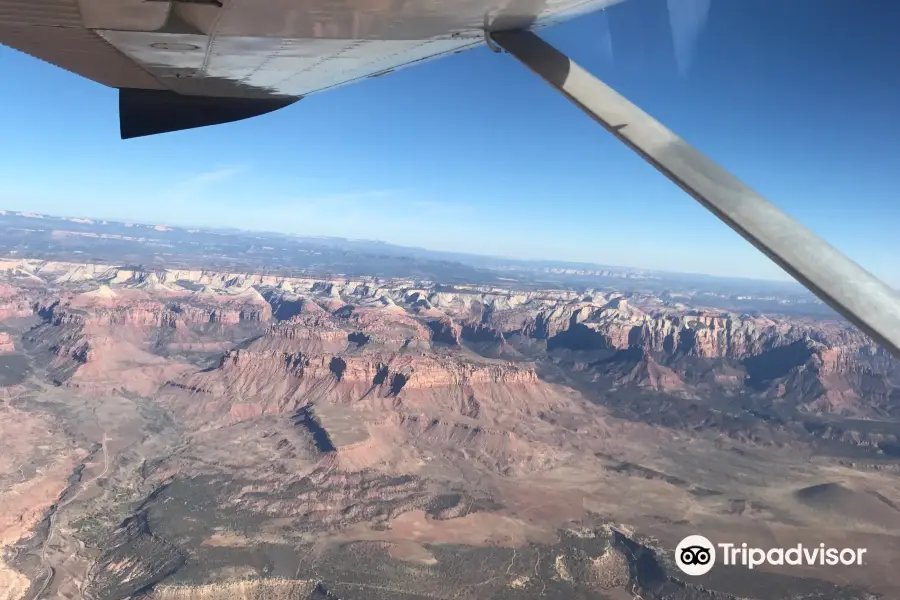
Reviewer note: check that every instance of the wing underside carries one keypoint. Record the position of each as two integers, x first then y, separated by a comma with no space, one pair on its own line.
266,52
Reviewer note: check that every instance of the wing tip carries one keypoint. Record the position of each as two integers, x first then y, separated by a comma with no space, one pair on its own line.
151,112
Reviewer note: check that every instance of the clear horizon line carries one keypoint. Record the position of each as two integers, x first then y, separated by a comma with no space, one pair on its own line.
570,263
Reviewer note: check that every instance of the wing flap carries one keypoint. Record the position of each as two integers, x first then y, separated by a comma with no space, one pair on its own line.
80,51
53,31
48,13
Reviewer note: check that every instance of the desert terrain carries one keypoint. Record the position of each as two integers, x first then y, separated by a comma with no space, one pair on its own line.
193,433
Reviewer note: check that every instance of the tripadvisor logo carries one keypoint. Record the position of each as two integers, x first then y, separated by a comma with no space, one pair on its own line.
696,555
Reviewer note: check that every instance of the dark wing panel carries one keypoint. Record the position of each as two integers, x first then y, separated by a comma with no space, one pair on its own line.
148,112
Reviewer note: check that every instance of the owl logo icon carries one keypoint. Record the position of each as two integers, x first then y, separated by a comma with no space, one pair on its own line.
695,555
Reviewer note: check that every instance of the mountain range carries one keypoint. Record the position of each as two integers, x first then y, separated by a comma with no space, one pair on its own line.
189,432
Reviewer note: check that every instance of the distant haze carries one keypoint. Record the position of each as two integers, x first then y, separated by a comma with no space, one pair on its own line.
156,246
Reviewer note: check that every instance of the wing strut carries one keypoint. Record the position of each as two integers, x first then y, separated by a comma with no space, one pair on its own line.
842,284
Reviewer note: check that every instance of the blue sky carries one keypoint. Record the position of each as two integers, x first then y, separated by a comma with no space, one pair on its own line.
799,98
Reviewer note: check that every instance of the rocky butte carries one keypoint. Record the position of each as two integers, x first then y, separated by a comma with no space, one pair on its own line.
202,434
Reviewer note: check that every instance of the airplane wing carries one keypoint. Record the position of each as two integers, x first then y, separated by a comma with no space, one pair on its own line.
190,63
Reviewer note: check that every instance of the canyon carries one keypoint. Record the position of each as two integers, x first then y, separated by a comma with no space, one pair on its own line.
197,433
